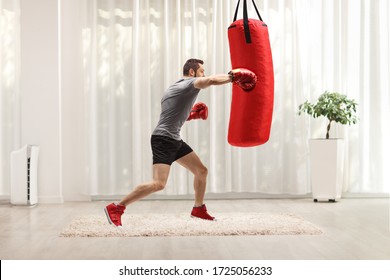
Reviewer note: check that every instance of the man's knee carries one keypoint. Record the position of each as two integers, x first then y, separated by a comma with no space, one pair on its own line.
202,172
158,186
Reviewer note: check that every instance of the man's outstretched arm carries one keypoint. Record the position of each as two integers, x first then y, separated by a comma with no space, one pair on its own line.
213,80
244,78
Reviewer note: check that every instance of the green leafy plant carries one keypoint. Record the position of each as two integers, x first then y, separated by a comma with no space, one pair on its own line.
334,106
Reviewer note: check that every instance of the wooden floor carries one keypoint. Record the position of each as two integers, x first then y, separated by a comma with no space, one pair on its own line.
353,229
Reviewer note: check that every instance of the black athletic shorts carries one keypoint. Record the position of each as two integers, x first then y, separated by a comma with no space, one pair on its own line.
167,150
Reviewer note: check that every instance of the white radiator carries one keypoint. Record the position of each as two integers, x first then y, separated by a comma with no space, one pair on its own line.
24,176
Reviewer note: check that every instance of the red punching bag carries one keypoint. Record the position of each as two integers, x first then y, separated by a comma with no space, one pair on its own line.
251,111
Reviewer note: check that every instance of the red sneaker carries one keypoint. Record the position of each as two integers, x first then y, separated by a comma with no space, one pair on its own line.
114,213
201,212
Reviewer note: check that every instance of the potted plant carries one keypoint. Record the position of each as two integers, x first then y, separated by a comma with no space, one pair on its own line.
327,155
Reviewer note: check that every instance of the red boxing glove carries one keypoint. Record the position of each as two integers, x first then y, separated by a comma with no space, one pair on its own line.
199,111
244,78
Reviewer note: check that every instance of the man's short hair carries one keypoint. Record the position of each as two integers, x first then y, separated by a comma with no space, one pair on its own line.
192,63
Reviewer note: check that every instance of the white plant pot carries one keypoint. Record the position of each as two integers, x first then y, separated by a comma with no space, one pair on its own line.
326,163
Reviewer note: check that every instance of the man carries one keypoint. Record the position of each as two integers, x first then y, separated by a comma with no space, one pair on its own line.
167,146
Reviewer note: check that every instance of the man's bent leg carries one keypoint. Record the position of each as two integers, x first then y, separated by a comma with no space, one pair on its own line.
193,163
160,177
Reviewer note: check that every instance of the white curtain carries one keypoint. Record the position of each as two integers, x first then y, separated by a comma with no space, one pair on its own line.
133,50
9,87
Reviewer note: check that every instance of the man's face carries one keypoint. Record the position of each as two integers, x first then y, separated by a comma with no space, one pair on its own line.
200,71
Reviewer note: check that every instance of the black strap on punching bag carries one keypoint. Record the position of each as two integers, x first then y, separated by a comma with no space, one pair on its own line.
246,21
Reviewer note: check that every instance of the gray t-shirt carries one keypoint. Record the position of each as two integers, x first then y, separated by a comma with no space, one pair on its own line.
176,106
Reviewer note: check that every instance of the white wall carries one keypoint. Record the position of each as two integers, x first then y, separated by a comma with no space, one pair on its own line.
40,92
52,102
